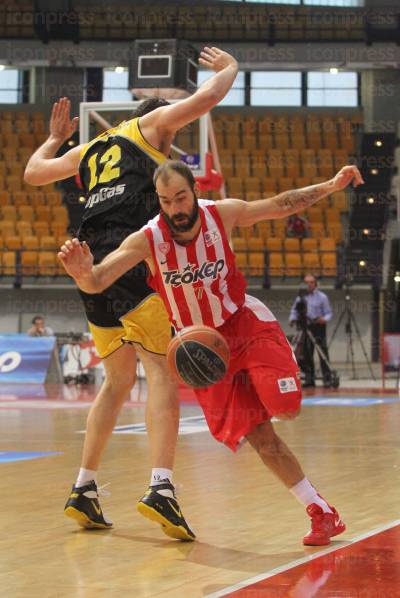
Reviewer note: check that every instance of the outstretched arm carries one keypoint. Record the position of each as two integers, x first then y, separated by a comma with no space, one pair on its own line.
77,260
235,212
43,168
168,119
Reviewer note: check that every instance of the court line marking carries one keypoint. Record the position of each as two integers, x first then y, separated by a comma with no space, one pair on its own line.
292,564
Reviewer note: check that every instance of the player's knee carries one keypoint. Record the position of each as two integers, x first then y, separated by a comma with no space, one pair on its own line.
117,386
288,414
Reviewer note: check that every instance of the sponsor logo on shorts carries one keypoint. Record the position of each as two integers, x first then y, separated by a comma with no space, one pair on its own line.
211,237
287,385
192,273
103,194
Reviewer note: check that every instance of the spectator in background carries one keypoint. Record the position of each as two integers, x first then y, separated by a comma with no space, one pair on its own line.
319,312
38,328
297,226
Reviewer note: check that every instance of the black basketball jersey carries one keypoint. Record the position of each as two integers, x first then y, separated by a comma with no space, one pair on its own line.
116,171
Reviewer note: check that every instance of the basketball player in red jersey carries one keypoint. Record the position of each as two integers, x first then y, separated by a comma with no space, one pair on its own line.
193,268
128,318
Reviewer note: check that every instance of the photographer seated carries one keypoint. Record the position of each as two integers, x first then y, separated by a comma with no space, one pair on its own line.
311,311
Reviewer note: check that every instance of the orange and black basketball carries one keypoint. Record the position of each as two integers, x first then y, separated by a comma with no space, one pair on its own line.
198,356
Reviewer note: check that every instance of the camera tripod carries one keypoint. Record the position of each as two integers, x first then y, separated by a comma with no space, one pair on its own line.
351,323
298,341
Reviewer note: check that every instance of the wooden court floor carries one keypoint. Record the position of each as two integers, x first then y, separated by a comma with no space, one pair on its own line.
247,524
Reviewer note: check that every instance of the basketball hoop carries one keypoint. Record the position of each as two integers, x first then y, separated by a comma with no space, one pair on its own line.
212,180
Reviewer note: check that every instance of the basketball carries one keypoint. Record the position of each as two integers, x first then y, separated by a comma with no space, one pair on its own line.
198,356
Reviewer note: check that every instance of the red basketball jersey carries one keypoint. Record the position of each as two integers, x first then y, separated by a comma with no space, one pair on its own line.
199,283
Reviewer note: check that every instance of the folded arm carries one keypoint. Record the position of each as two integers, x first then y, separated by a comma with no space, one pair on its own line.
77,260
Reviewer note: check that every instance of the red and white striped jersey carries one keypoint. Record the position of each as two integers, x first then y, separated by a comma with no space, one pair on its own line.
199,282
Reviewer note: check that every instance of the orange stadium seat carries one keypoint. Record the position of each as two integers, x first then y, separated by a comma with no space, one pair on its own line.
239,244
4,198
43,213
327,244
40,228
30,242
274,244
291,245
20,198
29,263
293,266
9,213
241,260
47,263
8,263
12,242
26,213
309,244
255,244
256,263
328,263
23,228
276,264
311,262
48,242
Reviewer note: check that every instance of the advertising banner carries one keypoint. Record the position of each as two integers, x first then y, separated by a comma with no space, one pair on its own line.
25,359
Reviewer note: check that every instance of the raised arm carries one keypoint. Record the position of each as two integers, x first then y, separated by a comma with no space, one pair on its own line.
235,212
77,260
43,168
168,119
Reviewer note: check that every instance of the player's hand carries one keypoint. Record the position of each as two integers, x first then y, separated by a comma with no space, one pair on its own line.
216,59
62,126
77,259
345,176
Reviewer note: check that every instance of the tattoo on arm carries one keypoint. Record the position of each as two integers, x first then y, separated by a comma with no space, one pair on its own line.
299,199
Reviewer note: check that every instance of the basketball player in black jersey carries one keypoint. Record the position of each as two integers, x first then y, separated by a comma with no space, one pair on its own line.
128,318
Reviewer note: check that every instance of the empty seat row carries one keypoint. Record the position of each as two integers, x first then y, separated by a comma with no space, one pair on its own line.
287,264
275,244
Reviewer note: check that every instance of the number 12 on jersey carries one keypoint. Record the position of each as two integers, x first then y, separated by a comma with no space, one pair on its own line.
107,171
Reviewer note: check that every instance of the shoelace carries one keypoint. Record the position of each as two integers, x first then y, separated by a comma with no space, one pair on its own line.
101,491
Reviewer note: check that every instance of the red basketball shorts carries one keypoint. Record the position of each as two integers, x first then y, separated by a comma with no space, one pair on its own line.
263,379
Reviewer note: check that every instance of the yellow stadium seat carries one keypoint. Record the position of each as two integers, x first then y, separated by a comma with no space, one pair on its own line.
29,263
12,242
327,244
252,184
47,263
298,141
275,264
31,243
274,244
48,242
255,244
315,214
285,183
235,187
4,198
37,198
269,185
309,244
20,198
13,183
53,198
40,228
23,228
241,260
7,228
256,264
339,201
43,213
9,213
318,230
311,262
259,168
332,216
239,244
291,245
328,263
293,266
8,261
26,213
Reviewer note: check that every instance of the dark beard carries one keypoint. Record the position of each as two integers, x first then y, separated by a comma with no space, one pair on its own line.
184,227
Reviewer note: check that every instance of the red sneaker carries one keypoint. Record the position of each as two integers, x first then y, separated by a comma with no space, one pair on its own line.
323,526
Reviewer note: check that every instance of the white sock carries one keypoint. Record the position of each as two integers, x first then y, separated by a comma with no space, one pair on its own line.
85,476
158,476
307,494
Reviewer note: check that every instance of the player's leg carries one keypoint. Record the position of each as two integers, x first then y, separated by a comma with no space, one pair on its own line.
83,504
274,377
162,420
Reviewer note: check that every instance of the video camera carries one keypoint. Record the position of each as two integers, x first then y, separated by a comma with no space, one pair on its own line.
301,308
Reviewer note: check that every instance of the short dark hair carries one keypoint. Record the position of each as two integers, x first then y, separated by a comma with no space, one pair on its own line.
174,166
148,106
36,318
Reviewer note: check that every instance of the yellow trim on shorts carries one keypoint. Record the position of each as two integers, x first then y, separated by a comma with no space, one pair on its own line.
147,325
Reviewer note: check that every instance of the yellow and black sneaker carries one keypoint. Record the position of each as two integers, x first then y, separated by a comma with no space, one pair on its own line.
83,506
165,511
